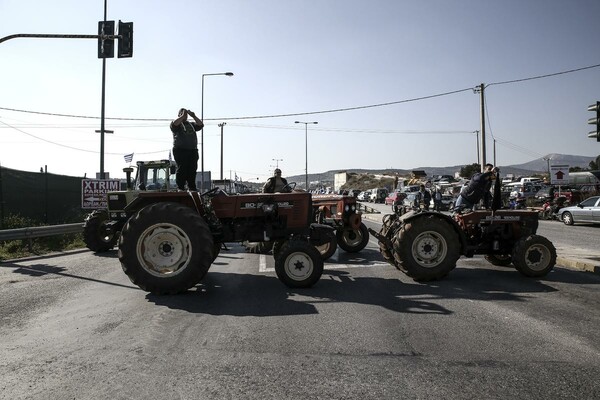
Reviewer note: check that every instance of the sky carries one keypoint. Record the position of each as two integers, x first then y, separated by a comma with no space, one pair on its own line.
390,83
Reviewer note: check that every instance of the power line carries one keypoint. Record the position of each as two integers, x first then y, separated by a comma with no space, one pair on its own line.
71,147
315,112
544,76
248,117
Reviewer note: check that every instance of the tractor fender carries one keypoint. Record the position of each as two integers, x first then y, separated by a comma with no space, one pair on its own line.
320,234
413,215
189,199
354,221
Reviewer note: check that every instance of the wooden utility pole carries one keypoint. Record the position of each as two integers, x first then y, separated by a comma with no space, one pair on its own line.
483,159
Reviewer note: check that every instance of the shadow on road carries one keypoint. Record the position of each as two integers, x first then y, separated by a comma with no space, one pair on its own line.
264,295
39,270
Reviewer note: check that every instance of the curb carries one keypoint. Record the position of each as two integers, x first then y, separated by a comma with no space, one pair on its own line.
579,264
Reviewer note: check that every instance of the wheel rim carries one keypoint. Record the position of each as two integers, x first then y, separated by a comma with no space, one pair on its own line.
429,249
537,257
353,238
298,266
164,250
567,218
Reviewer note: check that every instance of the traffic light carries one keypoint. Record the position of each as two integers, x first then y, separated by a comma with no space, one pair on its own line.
106,47
595,121
125,39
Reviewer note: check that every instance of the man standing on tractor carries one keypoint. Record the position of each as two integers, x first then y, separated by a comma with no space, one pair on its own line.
276,184
185,148
478,189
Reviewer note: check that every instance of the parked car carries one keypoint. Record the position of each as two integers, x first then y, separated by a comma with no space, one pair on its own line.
409,200
394,198
378,195
410,188
525,190
364,196
354,192
586,211
447,203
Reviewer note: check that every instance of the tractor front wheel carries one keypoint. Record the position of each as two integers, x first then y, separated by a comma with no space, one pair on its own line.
353,241
95,235
534,256
298,264
426,248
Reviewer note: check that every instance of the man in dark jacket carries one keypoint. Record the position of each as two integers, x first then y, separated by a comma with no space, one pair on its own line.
185,148
478,188
276,184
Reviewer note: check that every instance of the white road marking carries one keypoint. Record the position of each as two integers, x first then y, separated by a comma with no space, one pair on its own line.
262,264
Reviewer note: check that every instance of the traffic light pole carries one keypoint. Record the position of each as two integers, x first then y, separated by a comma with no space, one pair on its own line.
103,96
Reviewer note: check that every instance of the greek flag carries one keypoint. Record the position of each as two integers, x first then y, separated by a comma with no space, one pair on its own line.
128,157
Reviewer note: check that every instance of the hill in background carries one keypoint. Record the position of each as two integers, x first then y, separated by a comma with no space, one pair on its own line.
363,176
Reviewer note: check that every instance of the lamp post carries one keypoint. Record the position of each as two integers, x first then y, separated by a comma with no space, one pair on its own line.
306,148
477,137
277,161
221,125
202,132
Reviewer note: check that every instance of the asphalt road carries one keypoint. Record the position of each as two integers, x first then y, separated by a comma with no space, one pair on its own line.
74,327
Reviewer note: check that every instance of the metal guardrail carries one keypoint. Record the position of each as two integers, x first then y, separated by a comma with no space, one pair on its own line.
40,231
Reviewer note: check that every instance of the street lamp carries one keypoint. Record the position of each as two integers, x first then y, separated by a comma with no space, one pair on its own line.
221,125
202,131
306,148
277,161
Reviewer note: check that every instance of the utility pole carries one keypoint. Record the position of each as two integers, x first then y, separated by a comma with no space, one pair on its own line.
483,159
221,125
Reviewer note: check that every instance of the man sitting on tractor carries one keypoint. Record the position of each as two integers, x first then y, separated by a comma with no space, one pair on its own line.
276,184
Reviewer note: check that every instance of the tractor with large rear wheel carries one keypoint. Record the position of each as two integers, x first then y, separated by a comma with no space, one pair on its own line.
426,244
168,240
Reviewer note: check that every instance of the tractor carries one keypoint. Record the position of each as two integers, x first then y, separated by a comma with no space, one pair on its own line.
426,244
339,212
167,240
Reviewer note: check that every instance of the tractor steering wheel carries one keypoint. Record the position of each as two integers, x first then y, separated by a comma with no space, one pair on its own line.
288,188
212,192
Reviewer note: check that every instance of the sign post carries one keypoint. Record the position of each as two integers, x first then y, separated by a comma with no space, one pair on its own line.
559,175
93,192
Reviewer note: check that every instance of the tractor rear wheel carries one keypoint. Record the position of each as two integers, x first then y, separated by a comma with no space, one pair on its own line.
386,252
534,256
426,248
95,236
298,264
353,241
166,248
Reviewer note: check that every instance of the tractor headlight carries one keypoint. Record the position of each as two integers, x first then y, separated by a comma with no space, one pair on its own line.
347,208
353,208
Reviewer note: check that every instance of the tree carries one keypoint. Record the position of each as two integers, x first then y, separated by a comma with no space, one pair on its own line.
469,170
595,164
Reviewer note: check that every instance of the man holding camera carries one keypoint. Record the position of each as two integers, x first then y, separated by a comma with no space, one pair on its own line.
185,148
478,189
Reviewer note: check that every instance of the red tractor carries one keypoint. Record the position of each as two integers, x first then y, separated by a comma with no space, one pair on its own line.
426,245
168,240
